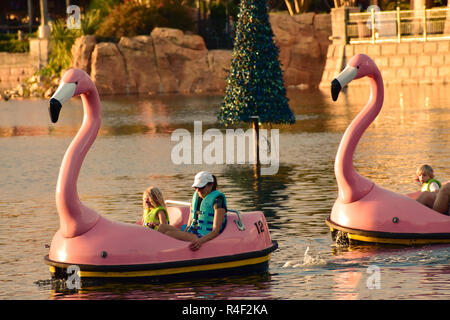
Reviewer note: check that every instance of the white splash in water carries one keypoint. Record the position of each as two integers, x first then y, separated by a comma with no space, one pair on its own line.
308,260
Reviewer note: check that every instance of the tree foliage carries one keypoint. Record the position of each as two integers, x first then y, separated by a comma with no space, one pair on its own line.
133,18
255,84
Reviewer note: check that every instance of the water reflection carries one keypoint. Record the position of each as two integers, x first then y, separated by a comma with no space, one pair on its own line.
345,284
145,115
265,193
154,111
225,288
369,270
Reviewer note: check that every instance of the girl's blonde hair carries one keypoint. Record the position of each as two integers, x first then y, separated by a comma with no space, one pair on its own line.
154,196
425,169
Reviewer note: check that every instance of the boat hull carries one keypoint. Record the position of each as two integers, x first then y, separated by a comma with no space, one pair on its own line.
383,216
250,262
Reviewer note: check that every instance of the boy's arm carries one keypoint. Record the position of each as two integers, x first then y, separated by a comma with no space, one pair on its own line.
434,187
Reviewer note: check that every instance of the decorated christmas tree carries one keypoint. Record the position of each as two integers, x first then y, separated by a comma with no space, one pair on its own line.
255,88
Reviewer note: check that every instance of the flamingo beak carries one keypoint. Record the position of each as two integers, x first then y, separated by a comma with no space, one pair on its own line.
54,109
347,75
64,92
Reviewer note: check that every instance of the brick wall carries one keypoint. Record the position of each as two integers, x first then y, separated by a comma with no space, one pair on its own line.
17,67
400,63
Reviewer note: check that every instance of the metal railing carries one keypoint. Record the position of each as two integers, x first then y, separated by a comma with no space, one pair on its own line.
397,26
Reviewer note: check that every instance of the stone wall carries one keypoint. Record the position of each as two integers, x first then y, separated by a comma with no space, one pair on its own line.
169,61
400,63
16,67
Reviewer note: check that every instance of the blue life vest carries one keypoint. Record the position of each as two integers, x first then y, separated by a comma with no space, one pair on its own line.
203,219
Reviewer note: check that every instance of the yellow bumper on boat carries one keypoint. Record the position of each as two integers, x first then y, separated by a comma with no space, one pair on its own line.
168,271
364,236
221,265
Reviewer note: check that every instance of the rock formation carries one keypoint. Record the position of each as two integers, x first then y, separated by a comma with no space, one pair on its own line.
170,61
303,42
82,51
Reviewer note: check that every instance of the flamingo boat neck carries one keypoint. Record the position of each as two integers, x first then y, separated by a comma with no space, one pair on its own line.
363,211
102,248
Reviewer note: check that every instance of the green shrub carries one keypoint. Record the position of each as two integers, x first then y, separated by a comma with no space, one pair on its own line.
91,20
131,19
8,36
9,42
173,15
61,41
104,6
14,46
127,19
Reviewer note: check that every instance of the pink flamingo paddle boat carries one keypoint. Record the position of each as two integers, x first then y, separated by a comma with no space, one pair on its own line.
101,248
363,211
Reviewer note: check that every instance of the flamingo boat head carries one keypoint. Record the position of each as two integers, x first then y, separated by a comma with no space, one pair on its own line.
73,83
364,211
358,67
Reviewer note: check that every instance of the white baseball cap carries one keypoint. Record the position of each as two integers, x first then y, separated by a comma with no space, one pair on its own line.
202,179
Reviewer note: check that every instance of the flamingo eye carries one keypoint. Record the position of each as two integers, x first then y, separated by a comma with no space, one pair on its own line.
357,67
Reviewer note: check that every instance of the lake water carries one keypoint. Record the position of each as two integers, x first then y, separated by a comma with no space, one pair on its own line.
133,151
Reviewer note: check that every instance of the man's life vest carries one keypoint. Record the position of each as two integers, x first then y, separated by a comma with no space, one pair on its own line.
203,219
